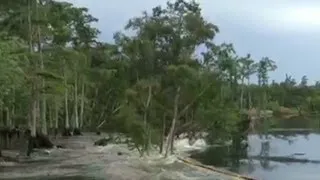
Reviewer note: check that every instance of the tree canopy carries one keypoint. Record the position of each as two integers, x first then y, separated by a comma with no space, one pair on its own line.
150,83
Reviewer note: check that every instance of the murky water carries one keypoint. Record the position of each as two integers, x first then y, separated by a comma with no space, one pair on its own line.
279,155
299,147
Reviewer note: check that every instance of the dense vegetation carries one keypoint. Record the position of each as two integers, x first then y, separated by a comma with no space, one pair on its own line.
150,83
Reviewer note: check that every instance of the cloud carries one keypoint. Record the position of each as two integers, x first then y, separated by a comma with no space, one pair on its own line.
272,15
286,30
113,15
301,17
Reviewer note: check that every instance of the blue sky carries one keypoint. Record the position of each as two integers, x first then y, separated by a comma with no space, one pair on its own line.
287,31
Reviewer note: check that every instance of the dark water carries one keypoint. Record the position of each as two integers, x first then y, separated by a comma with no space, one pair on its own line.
279,155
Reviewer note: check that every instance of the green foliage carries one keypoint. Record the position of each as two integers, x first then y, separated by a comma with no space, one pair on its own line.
49,53
49,76
274,106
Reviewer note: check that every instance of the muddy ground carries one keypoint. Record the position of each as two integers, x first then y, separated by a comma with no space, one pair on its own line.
82,160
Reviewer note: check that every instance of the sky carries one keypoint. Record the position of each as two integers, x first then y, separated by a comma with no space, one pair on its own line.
286,31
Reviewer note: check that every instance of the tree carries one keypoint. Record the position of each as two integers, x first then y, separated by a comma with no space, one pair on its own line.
147,85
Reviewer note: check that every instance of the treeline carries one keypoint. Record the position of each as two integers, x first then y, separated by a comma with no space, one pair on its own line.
291,96
149,84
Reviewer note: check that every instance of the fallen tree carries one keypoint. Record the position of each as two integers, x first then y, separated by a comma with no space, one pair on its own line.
214,169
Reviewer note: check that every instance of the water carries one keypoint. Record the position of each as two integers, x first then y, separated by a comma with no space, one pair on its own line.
305,146
278,155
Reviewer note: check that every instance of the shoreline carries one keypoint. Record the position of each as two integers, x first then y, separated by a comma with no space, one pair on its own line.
104,162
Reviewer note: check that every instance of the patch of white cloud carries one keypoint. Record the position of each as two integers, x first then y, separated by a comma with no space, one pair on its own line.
272,15
301,17
262,28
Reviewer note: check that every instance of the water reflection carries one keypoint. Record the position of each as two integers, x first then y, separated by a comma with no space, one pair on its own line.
273,156
228,157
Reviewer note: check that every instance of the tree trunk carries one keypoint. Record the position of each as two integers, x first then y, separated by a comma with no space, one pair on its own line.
163,132
43,102
93,106
50,118
82,105
242,92
76,115
2,123
44,129
33,120
33,98
172,139
145,117
56,117
67,123
34,117
7,117
249,95
13,111
38,125
173,124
